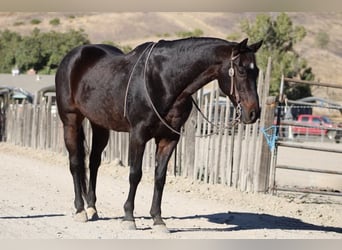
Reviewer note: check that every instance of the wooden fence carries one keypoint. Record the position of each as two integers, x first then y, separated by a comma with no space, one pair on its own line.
236,157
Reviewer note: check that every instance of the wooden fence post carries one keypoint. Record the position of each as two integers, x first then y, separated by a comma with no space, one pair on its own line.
262,163
190,147
266,154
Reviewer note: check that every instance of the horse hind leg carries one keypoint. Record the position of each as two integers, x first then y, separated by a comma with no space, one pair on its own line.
74,141
100,140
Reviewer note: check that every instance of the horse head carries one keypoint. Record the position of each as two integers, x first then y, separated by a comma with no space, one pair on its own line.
238,79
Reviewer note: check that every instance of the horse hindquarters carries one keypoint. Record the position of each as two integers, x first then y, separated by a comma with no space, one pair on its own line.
77,90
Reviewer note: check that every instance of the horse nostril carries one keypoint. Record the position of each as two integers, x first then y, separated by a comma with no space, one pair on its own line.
253,115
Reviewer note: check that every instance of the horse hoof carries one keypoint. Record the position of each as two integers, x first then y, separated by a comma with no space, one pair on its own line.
160,229
81,216
128,225
92,214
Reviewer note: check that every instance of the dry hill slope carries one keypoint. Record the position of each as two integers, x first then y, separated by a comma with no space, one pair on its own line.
135,28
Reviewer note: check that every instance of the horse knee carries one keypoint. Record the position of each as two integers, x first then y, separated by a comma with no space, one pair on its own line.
74,168
135,176
75,164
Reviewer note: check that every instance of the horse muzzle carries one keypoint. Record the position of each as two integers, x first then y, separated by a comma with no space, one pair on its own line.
250,116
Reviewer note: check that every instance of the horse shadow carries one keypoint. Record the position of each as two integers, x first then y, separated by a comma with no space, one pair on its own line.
237,221
37,216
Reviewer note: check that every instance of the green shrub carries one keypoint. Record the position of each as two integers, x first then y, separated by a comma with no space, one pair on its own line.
35,21
194,33
234,36
163,35
55,22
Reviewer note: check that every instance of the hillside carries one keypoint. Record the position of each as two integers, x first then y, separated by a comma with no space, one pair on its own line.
134,28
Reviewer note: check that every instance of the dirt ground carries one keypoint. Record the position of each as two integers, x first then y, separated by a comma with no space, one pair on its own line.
309,159
36,202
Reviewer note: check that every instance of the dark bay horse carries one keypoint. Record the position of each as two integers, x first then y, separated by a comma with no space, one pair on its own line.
147,93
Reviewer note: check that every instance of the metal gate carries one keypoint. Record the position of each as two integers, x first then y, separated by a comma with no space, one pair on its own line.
277,140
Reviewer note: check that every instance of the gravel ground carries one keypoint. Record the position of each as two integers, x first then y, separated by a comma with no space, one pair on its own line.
37,203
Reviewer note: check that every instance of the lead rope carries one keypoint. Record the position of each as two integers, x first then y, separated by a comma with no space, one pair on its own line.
130,77
233,88
150,100
231,74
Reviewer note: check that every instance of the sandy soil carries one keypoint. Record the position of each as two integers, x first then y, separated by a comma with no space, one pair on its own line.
37,202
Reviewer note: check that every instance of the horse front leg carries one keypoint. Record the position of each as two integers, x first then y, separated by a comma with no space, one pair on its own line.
136,152
164,150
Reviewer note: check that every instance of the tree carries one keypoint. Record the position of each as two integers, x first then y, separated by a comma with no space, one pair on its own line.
56,45
279,36
28,53
40,51
8,42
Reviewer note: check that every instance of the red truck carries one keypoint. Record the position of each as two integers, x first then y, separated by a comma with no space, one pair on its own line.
314,125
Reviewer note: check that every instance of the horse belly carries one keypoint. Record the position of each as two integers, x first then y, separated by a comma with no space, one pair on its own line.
108,119
103,105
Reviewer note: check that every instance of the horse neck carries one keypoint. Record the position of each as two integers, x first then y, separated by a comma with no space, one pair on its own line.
193,67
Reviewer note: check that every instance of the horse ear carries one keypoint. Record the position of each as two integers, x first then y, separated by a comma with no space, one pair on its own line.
243,43
255,46
240,47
